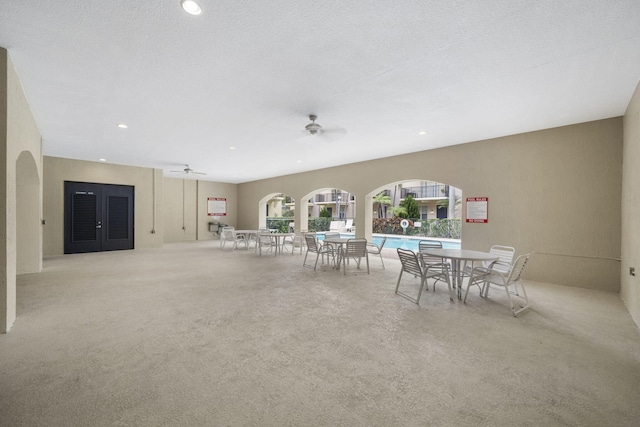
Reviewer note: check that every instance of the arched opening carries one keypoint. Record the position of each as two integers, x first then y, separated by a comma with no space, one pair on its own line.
28,226
276,212
416,209
330,209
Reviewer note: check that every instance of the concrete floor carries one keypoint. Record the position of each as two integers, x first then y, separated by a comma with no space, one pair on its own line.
190,334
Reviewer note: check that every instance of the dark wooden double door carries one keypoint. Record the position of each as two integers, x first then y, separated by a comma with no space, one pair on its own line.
97,217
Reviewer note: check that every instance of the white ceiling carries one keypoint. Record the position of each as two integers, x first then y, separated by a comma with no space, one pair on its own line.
247,74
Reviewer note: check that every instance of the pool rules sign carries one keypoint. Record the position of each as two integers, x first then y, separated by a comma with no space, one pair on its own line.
477,209
216,206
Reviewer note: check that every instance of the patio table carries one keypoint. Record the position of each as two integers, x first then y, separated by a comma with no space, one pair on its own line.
341,243
457,256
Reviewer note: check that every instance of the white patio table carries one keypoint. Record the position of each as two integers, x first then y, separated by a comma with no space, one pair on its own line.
340,242
457,256
279,241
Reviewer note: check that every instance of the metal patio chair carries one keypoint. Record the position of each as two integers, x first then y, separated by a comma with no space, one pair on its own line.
496,276
314,247
375,249
412,265
356,249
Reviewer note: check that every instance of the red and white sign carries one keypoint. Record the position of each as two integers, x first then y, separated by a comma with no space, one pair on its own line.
216,206
477,209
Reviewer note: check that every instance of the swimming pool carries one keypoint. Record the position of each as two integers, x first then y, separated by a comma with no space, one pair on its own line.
395,242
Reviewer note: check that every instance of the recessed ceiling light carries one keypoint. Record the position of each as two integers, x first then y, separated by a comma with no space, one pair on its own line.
422,132
122,126
191,7
103,160
232,148
299,161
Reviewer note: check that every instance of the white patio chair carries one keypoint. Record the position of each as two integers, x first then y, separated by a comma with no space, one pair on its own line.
356,249
432,262
296,241
348,226
313,247
412,265
266,242
228,234
424,245
375,249
505,256
495,276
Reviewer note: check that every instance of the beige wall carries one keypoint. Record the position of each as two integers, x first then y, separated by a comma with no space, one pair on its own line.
179,205
185,205
555,192
208,189
147,202
20,190
163,205
630,285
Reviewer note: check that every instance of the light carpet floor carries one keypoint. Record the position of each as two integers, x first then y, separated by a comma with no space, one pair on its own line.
192,335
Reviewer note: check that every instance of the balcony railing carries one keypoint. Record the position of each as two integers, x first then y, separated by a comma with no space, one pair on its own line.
426,192
332,197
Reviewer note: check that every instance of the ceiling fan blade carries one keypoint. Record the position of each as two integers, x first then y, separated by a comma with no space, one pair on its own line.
330,135
324,138
335,131
198,173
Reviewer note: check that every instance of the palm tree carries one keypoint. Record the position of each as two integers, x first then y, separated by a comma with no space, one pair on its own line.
399,211
382,200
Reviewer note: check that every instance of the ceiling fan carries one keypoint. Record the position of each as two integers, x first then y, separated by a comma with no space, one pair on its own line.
316,130
188,171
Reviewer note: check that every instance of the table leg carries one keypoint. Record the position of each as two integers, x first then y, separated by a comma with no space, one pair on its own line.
458,277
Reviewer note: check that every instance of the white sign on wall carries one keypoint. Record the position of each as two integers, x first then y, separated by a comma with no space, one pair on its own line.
477,209
216,206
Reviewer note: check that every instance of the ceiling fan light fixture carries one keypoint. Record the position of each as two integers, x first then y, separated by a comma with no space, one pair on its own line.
191,7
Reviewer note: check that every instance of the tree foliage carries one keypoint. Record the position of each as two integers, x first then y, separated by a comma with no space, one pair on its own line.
381,199
324,213
413,211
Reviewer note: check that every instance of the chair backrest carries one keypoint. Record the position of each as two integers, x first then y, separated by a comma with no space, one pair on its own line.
356,248
518,268
430,244
410,262
381,245
227,233
505,255
265,238
348,226
312,244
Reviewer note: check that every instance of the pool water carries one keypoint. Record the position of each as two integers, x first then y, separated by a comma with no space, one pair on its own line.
407,243
395,242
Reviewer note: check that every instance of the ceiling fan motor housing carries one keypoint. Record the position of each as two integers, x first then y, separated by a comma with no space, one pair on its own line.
313,127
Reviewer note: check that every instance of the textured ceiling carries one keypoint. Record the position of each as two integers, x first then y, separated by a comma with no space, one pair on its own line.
248,74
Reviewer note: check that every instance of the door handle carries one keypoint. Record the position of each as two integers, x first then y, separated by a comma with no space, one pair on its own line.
99,224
